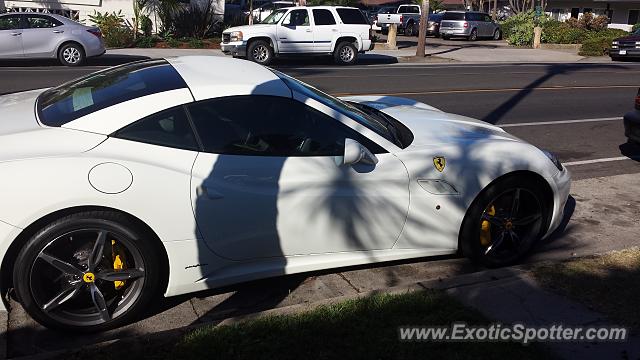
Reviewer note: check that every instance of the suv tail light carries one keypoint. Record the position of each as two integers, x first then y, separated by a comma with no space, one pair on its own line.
638,100
466,24
401,19
96,32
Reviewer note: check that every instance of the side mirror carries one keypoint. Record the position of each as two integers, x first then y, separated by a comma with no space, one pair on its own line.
356,153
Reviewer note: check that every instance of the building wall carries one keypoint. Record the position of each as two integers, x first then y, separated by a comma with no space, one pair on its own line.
562,10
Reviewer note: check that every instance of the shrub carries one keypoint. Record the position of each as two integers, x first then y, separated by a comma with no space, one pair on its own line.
195,43
635,27
589,22
146,25
596,46
146,42
518,29
115,30
196,20
556,32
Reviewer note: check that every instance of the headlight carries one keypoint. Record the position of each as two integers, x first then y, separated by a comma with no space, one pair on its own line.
554,159
236,36
615,43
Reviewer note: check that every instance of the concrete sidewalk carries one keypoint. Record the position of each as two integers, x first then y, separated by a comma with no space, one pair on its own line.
439,54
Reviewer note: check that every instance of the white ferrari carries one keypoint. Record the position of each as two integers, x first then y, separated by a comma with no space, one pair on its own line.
177,175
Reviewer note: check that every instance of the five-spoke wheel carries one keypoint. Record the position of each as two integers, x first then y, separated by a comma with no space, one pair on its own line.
87,272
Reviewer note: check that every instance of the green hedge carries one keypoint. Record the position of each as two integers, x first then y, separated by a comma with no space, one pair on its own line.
597,46
635,27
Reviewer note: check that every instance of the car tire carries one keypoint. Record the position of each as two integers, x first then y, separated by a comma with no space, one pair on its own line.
497,35
445,37
345,53
410,29
474,35
261,52
616,58
484,241
39,276
71,54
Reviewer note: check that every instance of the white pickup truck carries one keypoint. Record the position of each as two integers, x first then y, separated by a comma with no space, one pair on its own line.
407,17
343,32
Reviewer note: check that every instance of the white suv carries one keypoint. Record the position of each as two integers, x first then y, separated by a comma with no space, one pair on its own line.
341,31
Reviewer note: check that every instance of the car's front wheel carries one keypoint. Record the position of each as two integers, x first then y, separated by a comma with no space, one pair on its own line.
90,271
71,54
504,221
497,35
345,53
261,52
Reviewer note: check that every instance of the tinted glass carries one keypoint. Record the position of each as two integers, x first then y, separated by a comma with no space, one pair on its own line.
352,16
387,11
41,22
408,10
268,126
100,90
10,22
435,17
167,128
323,17
486,18
297,18
453,16
474,17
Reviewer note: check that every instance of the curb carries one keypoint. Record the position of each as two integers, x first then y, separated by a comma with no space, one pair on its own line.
433,284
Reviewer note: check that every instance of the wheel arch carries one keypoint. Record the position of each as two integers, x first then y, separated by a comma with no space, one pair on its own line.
347,38
547,191
266,38
8,261
65,42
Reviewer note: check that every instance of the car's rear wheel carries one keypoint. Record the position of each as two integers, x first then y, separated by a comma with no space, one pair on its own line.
261,52
345,53
497,35
89,271
474,35
504,221
445,37
410,30
71,54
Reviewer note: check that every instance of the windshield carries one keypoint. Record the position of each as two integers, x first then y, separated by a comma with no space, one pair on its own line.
274,17
380,124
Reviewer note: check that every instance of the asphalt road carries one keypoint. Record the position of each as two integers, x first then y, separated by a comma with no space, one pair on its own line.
571,109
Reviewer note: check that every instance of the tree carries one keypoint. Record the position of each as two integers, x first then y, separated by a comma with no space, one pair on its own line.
518,6
139,7
422,33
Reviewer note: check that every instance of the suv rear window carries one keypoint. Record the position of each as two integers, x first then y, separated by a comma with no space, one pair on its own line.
352,16
453,16
70,101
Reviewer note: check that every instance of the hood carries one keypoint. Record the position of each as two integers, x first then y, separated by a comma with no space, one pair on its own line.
22,137
632,37
431,126
249,29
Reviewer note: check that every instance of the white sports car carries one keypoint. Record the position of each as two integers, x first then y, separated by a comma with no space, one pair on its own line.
177,175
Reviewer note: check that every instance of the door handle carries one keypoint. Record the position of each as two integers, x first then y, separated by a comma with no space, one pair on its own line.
334,30
308,30
58,31
16,34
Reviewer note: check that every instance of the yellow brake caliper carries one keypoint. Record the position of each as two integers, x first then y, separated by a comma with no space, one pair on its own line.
118,263
485,228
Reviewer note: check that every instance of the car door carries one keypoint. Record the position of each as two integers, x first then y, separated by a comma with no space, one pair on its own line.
295,33
11,36
42,35
488,25
270,183
325,30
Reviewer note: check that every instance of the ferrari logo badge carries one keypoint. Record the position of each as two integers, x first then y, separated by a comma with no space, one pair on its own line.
88,277
439,162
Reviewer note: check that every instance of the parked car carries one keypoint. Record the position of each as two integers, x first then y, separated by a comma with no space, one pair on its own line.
433,24
343,32
632,122
179,175
407,17
626,47
374,18
469,24
263,11
34,36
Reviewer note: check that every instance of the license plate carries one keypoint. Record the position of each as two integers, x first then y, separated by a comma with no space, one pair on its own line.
623,52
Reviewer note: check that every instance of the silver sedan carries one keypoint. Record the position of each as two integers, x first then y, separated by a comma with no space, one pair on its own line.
34,36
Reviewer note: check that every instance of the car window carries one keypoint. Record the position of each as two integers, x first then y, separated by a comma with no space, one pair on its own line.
269,126
408,10
487,18
352,16
297,18
70,101
323,17
41,22
274,17
387,11
169,128
453,16
10,22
